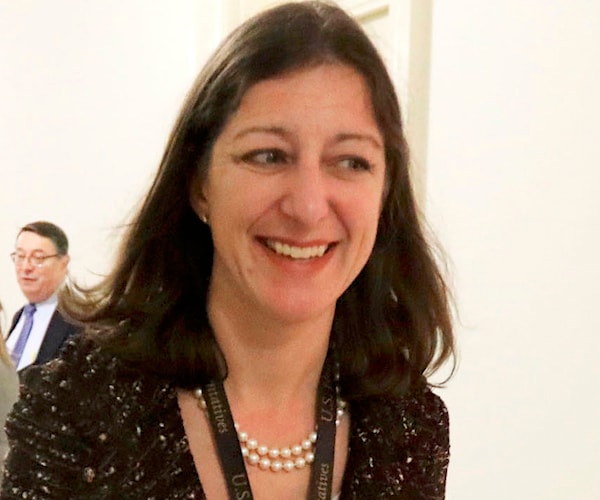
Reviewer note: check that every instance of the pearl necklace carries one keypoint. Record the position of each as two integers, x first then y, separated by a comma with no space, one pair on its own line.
288,458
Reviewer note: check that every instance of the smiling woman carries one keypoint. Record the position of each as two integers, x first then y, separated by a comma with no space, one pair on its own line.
308,146
276,279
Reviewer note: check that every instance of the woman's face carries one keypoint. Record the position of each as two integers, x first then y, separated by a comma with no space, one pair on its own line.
293,193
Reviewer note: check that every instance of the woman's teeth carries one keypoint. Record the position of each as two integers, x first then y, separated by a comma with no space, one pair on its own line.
297,252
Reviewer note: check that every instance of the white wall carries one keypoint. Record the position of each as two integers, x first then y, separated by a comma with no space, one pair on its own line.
88,93
513,188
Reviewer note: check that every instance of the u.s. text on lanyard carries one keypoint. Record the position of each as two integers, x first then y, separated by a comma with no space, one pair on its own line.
228,446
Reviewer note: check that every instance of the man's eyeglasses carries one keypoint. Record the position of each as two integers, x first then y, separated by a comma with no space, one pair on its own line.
35,260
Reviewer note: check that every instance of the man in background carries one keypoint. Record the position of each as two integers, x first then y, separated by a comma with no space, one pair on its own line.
38,329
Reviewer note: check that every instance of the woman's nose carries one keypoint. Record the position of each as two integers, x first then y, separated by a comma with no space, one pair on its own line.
307,197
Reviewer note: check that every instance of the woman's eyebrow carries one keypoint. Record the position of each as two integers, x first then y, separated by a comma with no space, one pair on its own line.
283,133
275,130
359,137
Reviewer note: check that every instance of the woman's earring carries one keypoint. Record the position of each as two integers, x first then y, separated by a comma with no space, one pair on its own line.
204,218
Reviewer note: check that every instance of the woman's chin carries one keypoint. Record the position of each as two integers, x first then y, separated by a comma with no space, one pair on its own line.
299,308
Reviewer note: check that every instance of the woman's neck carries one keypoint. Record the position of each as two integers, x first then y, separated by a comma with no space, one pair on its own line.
269,362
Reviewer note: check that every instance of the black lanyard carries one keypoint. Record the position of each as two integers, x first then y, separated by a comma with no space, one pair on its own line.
228,446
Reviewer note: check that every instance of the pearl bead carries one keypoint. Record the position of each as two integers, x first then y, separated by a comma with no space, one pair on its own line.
294,457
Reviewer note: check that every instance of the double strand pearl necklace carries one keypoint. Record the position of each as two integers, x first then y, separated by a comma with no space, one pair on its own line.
274,459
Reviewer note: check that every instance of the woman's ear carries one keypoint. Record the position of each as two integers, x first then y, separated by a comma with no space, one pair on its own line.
198,199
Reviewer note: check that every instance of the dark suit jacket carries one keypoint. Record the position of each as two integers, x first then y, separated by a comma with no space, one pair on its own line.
59,330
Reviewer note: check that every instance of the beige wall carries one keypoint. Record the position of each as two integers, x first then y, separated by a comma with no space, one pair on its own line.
513,188
88,93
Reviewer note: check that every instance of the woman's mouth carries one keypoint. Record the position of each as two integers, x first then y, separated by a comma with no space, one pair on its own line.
295,252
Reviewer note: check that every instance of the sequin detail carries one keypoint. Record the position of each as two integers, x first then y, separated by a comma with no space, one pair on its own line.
89,427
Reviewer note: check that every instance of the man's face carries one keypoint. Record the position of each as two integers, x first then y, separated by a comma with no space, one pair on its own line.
39,283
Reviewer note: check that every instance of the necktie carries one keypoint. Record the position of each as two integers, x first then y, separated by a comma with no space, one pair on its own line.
24,335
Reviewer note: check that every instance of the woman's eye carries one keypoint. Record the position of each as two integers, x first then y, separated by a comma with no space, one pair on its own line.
355,163
265,157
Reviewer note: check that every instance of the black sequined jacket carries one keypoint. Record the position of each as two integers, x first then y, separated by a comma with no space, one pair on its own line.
88,427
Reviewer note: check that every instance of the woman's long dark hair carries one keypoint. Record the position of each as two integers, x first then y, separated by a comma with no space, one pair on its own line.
392,326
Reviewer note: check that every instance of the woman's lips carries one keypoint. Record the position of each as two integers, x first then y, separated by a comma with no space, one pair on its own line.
296,252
